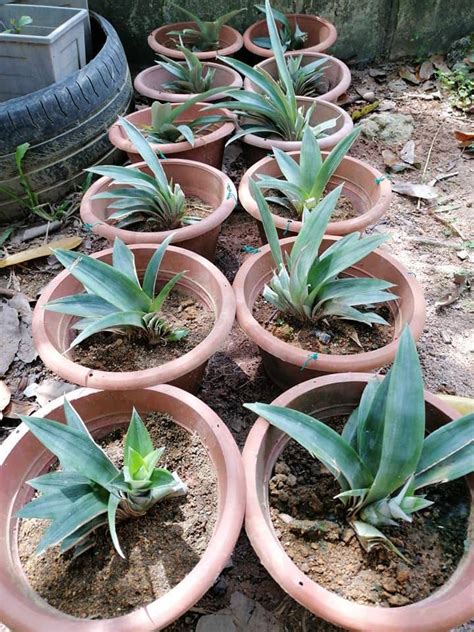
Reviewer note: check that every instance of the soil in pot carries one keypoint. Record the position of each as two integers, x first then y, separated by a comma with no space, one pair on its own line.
109,351
344,208
195,207
201,130
161,547
330,553
330,335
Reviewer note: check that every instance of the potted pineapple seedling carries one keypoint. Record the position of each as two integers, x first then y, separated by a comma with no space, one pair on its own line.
384,521
274,116
297,32
317,304
150,200
163,499
174,81
179,130
294,184
130,317
205,38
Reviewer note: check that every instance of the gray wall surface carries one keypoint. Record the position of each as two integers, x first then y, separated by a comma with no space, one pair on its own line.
367,29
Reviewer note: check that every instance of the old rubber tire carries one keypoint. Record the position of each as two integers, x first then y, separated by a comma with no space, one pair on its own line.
66,123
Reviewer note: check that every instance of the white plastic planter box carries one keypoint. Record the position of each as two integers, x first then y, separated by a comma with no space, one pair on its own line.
46,51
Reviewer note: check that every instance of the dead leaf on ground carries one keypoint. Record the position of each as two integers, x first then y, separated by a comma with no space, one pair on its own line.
426,70
408,75
356,115
68,243
461,284
412,189
464,138
354,336
5,397
47,390
16,409
407,154
439,63
26,350
10,336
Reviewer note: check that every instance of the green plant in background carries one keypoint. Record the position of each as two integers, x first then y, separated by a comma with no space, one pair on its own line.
274,111
303,183
306,79
89,491
149,198
459,82
16,26
382,457
166,128
205,36
306,284
291,38
114,299
191,76
30,199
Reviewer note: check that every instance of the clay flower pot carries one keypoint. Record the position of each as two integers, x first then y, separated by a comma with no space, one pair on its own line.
150,82
22,457
258,147
326,397
196,179
335,73
208,148
230,41
286,364
321,34
52,332
364,186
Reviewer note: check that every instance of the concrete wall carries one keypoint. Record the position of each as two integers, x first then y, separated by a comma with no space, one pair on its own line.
367,29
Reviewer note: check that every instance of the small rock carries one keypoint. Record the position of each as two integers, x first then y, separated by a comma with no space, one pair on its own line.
292,480
285,518
446,338
392,129
322,336
220,587
403,573
187,303
369,96
386,105
347,535
398,600
390,585
282,468
397,85
462,254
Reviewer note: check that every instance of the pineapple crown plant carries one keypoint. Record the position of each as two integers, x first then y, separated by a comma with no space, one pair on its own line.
89,490
306,284
205,37
190,77
303,183
150,198
114,299
382,458
274,110
291,38
306,79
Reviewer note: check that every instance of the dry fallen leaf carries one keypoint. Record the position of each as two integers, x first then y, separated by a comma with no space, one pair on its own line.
392,161
464,138
424,191
358,114
68,243
16,409
26,350
407,154
408,75
439,63
461,284
5,397
9,336
47,390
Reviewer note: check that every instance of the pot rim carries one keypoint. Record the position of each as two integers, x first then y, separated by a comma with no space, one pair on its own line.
332,95
317,48
227,51
325,603
115,380
117,138
140,84
324,143
184,233
337,227
171,605
331,363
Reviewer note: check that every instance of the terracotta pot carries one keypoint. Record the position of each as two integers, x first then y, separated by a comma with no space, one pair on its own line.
367,189
230,41
258,147
150,81
287,365
195,178
22,457
52,333
326,397
335,73
208,148
321,34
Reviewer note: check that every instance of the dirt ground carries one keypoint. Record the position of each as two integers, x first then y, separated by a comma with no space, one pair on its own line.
428,247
